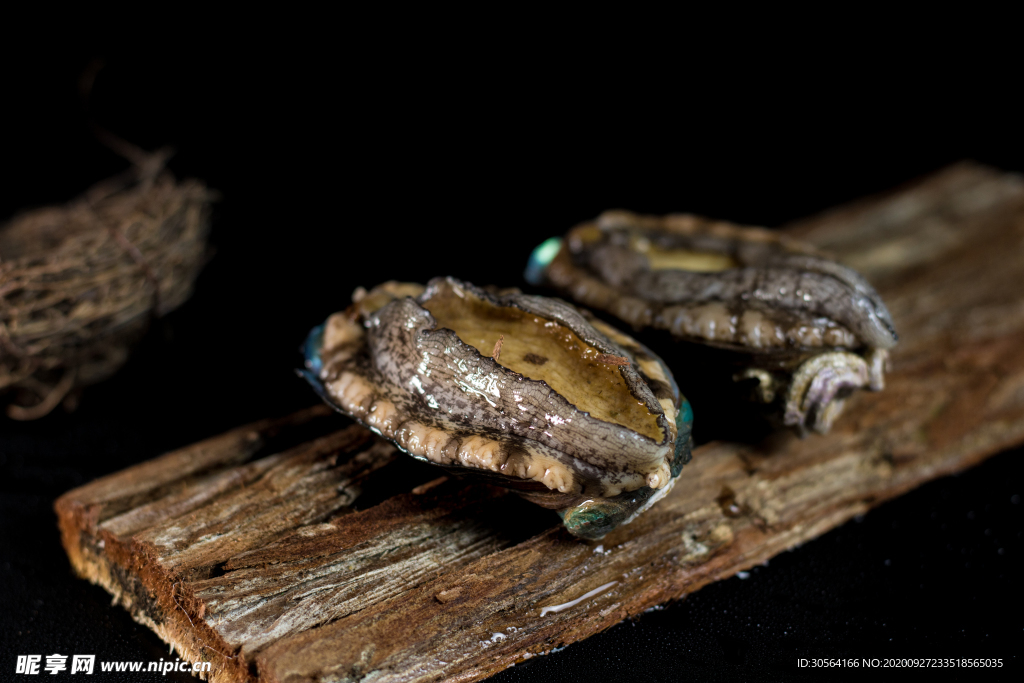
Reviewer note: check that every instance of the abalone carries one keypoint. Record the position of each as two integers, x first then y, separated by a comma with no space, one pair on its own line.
812,329
524,391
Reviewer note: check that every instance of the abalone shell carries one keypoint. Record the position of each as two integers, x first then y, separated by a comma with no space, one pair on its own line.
814,329
525,391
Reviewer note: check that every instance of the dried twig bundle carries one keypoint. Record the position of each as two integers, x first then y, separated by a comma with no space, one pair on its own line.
79,283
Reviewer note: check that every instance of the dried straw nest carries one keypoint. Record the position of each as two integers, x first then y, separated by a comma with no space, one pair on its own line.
79,283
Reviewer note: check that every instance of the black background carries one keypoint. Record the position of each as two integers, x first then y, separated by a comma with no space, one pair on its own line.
341,167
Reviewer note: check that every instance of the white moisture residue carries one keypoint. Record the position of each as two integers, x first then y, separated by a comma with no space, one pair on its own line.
573,603
743,575
497,637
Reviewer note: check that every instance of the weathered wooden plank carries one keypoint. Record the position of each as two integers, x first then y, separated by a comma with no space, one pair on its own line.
212,547
344,580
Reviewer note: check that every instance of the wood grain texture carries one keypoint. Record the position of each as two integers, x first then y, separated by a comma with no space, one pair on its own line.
253,549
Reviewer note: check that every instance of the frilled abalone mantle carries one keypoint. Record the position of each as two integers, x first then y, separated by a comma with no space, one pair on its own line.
564,407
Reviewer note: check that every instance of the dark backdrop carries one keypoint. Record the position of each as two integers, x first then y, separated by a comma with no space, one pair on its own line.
342,167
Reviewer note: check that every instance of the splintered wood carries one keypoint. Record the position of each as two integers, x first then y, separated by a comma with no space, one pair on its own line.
278,556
